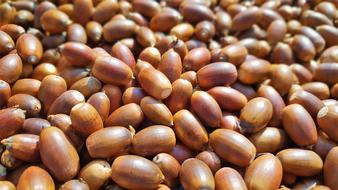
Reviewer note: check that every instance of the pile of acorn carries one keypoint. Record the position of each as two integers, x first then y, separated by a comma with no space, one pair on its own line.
169,94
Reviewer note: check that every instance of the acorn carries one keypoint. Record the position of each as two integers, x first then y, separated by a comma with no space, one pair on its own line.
300,162
101,103
252,121
310,102
7,44
171,65
235,53
129,114
228,98
189,130
114,95
299,125
150,55
319,89
51,88
190,76
253,71
118,29
76,33
269,139
35,125
133,95
195,174
26,86
9,161
165,20
303,47
211,159
244,20
195,12
169,166
78,184
180,95
105,10
266,171
94,31
155,83
99,144
183,31
206,108
153,140
323,145
196,59
12,121
276,31
23,146
85,119
156,111
13,30
29,48
58,154
34,178
228,178
216,74
87,86
43,70
123,53
54,21
96,173
329,167
326,72
29,103
232,147
5,93
77,54
134,172
10,68
104,66
281,78
65,102
39,10
64,123
326,119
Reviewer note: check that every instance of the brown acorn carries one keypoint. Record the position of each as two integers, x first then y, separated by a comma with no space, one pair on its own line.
156,111
133,95
150,55
180,95
189,130
232,147
64,123
266,171
12,121
58,154
123,53
65,102
23,146
190,76
153,140
54,21
77,54
127,115
7,13
43,70
13,30
76,33
329,33
216,74
5,93
303,47
195,174
326,119
155,83
29,48
326,72
7,44
118,29
169,166
281,78
171,65
96,173
253,71
105,10
228,98
26,86
87,86
148,8
244,20
34,178
78,184
9,161
300,162
10,68
196,59
310,102
85,119
195,12
252,121
94,31
134,172
211,159
323,145
83,10
101,103
35,125
51,88
282,53
39,10
319,89
330,166
299,125
165,20
114,94
206,108
99,143
111,70
183,31
228,178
